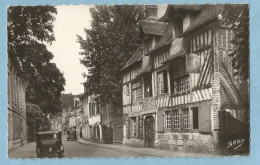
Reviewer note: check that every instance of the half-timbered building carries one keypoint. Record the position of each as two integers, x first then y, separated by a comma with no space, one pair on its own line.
179,78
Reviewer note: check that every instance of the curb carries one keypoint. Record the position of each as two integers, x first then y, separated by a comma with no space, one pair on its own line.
150,155
153,155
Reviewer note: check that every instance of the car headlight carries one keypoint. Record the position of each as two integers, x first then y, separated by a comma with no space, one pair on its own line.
61,147
50,149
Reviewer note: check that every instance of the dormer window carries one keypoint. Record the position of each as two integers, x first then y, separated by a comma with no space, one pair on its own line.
147,45
178,27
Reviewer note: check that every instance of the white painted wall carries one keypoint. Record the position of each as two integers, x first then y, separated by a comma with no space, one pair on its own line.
72,121
94,119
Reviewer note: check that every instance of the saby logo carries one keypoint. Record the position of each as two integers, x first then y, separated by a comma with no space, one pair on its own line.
235,143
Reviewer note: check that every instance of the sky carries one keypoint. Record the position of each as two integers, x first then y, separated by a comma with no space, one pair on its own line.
70,21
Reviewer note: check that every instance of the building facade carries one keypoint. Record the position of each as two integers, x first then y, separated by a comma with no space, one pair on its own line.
17,127
178,80
86,131
64,120
94,119
78,119
72,120
99,123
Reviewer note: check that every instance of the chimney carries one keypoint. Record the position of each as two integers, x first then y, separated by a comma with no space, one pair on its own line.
151,11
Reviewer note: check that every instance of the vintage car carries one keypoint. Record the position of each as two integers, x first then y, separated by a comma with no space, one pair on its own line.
71,135
49,144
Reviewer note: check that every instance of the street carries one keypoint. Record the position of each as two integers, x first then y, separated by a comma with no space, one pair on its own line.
74,149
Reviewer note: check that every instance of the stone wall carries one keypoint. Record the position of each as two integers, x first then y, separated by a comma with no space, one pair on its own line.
185,142
180,142
216,100
133,142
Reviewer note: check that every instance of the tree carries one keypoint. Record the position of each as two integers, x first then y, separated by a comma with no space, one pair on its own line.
30,28
237,16
67,101
36,120
107,47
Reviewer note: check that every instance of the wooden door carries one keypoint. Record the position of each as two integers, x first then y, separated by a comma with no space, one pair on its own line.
149,132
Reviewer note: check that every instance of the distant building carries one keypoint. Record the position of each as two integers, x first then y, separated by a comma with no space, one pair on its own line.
78,119
17,127
99,122
64,120
72,120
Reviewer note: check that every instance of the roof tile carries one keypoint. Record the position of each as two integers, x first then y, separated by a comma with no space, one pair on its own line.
208,13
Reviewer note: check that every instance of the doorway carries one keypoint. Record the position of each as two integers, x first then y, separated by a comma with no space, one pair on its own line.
149,131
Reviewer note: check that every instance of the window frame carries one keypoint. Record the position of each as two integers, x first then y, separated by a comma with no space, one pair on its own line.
179,78
186,118
133,127
148,85
164,85
168,120
135,89
176,119
127,89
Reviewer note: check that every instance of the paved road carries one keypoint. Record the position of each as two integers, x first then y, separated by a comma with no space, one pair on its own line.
74,149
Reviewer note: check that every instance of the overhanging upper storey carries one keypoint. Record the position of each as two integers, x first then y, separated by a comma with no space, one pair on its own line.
151,28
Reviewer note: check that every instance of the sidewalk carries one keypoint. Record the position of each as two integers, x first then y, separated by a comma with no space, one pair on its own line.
149,151
25,151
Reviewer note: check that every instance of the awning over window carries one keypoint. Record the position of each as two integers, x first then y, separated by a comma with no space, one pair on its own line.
144,70
175,56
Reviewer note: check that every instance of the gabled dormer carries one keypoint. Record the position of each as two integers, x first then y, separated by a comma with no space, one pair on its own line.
150,32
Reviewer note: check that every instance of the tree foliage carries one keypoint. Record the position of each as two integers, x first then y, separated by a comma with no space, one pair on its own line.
237,16
108,45
30,28
67,101
36,119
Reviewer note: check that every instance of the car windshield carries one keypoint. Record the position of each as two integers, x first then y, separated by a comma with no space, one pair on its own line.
48,137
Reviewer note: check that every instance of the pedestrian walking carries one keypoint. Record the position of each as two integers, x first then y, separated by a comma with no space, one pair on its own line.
80,133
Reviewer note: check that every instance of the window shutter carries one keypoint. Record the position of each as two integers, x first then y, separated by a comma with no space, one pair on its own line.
140,125
160,121
204,117
127,125
165,81
90,111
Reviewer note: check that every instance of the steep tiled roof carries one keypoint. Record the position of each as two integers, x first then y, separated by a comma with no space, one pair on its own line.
146,65
172,9
193,7
209,13
153,28
137,56
146,69
165,40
